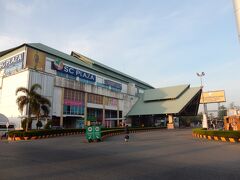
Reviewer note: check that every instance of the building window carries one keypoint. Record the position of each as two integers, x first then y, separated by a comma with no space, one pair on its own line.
110,114
73,110
95,99
110,101
73,102
97,113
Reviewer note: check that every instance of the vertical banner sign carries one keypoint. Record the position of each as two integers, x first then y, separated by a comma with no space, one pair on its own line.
36,59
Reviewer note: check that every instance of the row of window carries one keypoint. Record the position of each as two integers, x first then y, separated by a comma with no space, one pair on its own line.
97,113
73,110
91,112
110,114
74,95
98,99
110,101
95,99
79,96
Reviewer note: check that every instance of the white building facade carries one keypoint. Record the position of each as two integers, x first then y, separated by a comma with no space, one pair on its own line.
78,88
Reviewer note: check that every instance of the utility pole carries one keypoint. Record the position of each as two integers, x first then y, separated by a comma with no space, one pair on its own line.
236,5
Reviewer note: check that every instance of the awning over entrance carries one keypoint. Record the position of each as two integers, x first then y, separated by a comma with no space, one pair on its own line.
178,100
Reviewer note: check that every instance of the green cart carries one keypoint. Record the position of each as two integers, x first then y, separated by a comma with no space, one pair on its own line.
93,133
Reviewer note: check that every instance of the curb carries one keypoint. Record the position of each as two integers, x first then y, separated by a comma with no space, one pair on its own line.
71,133
42,137
216,138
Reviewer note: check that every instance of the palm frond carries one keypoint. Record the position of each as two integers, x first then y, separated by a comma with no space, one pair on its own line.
21,102
35,105
35,87
44,101
22,89
45,110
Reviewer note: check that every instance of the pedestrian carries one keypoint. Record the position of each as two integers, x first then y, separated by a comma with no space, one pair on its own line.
126,130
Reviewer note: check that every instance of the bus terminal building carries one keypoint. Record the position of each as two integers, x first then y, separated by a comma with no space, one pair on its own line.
80,88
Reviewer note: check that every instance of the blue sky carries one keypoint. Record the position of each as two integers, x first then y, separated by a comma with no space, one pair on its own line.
161,42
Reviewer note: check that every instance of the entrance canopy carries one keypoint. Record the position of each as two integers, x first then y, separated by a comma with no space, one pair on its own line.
178,100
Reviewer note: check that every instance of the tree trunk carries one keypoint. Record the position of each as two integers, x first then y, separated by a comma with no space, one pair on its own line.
29,116
27,122
37,120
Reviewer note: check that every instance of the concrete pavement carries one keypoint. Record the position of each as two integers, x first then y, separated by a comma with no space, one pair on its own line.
161,154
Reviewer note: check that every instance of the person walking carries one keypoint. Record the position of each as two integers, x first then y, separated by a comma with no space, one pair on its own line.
126,130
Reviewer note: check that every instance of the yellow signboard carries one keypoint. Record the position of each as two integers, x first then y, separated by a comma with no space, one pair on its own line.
213,97
35,59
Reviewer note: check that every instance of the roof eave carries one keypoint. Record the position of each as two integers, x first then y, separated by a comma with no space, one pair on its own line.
2,53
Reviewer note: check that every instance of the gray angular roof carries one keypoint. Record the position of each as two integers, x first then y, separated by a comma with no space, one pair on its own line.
164,93
178,97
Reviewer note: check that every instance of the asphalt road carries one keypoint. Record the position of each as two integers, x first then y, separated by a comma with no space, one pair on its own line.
161,154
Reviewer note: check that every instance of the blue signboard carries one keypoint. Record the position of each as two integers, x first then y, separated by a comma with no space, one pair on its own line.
72,71
113,84
12,61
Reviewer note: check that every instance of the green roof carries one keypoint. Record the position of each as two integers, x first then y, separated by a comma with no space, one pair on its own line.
164,93
94,67
55,52
165,106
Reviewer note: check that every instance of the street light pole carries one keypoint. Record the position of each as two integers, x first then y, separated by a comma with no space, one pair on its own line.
204,123
201,75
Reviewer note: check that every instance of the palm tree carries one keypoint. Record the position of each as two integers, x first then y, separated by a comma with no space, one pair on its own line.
43,106
32,100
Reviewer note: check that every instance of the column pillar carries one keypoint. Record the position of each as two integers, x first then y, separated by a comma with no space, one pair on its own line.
170,124
117,112
62,105
103,118
85,108
205,117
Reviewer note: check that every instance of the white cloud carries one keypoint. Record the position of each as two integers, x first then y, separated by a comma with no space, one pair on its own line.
18,7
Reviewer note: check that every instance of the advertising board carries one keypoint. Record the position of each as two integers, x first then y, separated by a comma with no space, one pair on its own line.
35,59
213,97
60,67
12,64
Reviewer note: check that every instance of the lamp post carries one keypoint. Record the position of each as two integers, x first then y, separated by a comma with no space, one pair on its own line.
201,75
204,123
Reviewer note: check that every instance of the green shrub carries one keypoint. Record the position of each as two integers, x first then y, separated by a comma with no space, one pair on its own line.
42,132
219,133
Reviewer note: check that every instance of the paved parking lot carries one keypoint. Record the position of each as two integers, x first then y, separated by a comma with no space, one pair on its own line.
161,154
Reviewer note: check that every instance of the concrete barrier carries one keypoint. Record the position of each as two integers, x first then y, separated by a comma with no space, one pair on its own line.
216,138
